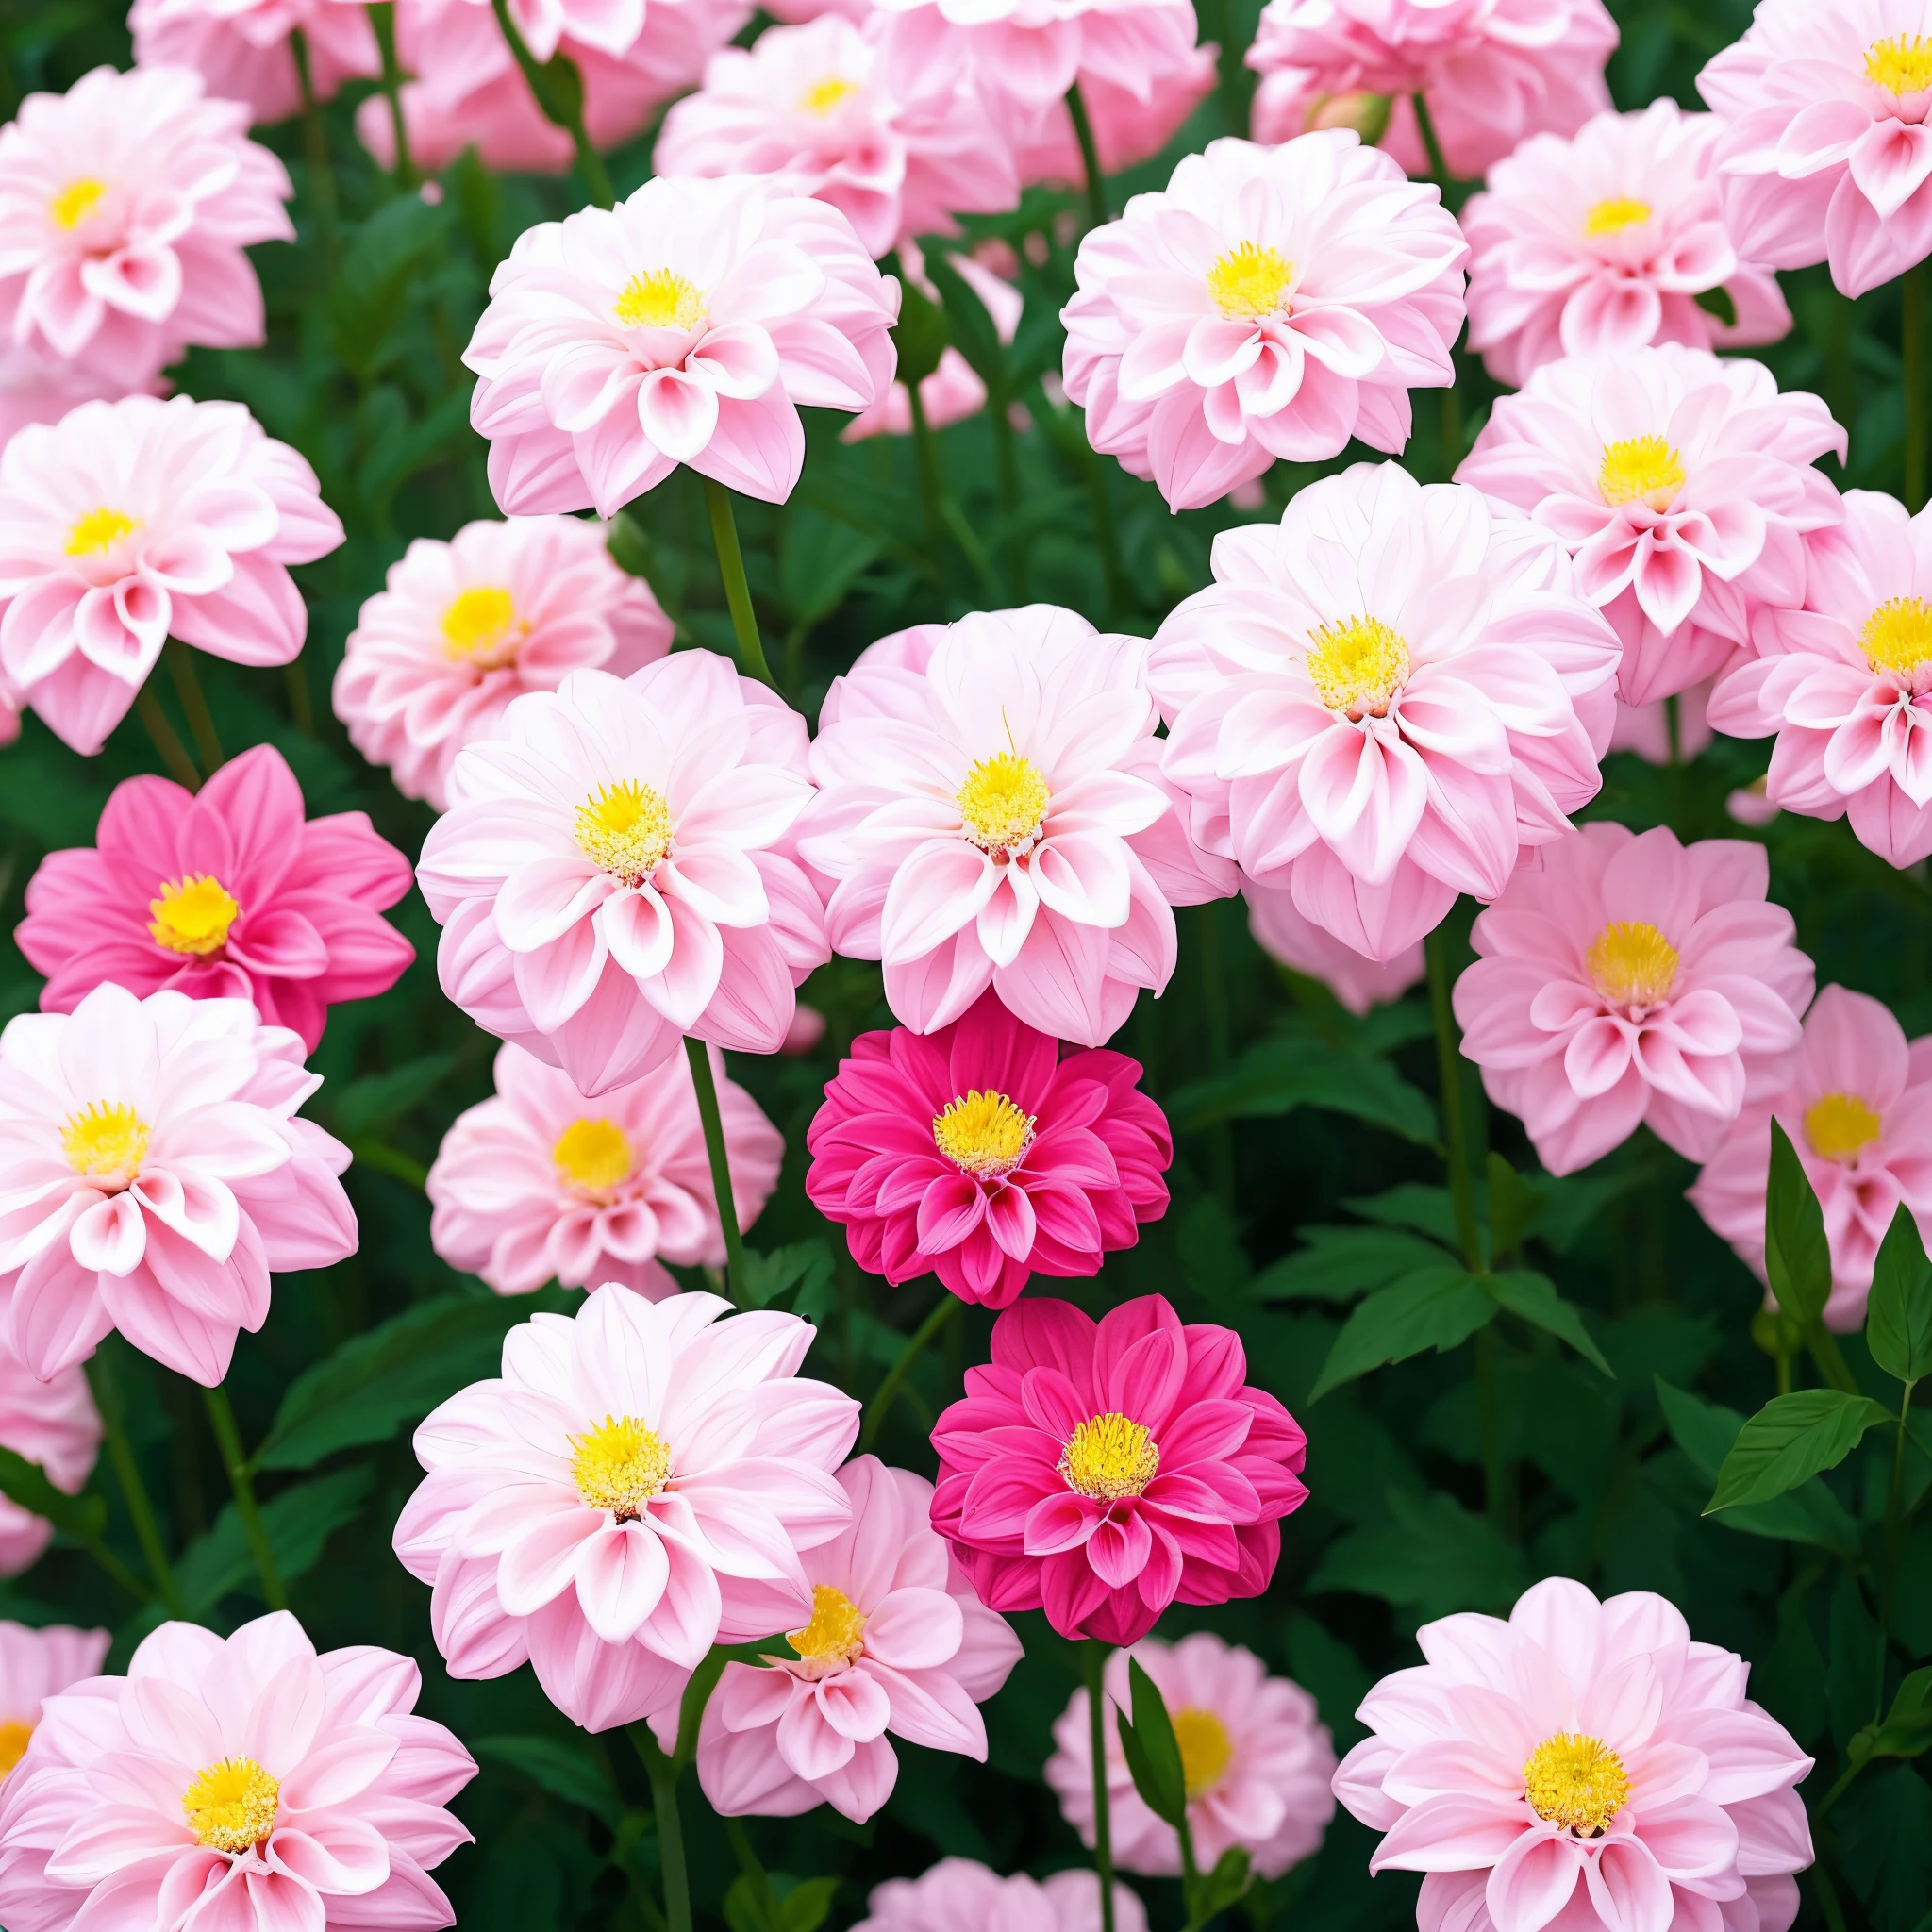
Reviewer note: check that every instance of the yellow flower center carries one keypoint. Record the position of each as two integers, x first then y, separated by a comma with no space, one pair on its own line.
1611,216
837,1631
1900,63
824,95
98,531
1250,280
481,627
1003,801
1640,469
14,1739
1357,665
662,299
1898,635
231,1805
1109,1456
1204,1748
620,1465
983,1132
1839,1126
1577,1782
75,202
1632,964
626,829
105,1139
594,1155
193,915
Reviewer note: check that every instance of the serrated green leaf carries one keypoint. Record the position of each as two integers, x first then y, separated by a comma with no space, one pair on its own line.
1797,1256
1534,1298
299,1524
1410,1203
1437,1307
565,1768
1274,1077
1790,1439
1898,1316
1336,1264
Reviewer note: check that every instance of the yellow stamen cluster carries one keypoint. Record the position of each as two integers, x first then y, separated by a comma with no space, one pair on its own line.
1632,964
1611,217
1897,636
1900,63
1205,1747
1002,803
98,531
193,915
620,1465
481,627
1250,281
1640,469
75,202
983,1132
1577,1782
662,299
837,1631
1109,1456
106,1140
824,95
1357,665
626,829
231,1805
594,1155
1840,1127
14,1737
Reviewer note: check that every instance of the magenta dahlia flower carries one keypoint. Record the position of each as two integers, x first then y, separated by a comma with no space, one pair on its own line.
35,1664
1282,932
1102,1471
224,894
54,1424
1629,979
246,1782
1586,1765
241,47
897,1647
962,1895
1269,303
978,1153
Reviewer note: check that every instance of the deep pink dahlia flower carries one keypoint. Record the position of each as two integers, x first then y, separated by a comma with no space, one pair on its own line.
1104,1472
242,1782
1626,978
978,1153
53,1423
962,1895
1359,982
241,47
1586,1765
34,1665
224,894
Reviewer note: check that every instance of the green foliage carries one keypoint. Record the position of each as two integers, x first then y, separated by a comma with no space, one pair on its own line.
1789,1441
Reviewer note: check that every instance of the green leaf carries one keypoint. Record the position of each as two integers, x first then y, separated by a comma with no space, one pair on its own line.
973,329
1908,1727
299,1523
804,1268
563,1767
376,1099
1885,1830
1717,302
1153,1759
1798,1258
1336,1264
820,558
1223,1887
1533,1297
1409,1204
1790,1439
28,1484
803,1908
920,336
1436,1307
1432,1558
1898,1316
1514,1207
1274,1077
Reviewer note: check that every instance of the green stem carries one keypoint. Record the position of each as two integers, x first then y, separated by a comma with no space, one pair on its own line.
1191,1876
221,1415
1828,1898
322,178
744,620
1912,354
147,1529
1438,165
1214,1009
1104,539
663,1773
1895,1532
382,17
700,1057
1096,205
557,88
875,1410
207,745
391,1160
1451,429
1455,1131
1093,1655
167,740
926,460
301,706
1831,1363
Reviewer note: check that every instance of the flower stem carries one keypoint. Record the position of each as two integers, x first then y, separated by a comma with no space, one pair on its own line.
167,740
1104,539
1895,1532
700,1057
1096,215
926,460
663,1773
322,178
1455,1131
301,706
1093,1655
557,88
745,622
382,17
221,1416
140,1509
1913,352
883,1398
1438,165
207,745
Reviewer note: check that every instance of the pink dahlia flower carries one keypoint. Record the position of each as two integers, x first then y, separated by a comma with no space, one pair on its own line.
246,1782
992,813
1383,700
1256,1758
1585,1764
34,1666
465,627
1359,982
897,1643
615,871
1627,978
609,25
53,1423
538,1184
1492,70
1846,681
1605,243
978,1153
684,326
1271,302
38,387
224,893
1825,152
1858,1110
962,1895
1103,1472
127,522
637,1487
1683,485
858,117
157,1176
241,47
125,206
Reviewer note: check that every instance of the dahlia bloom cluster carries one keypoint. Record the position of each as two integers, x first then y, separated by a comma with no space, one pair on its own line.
1255,1761
978,1153
1271,302
538,1184
962,1895
34,1666
1587,1764
241,48
1102,1471
53,1423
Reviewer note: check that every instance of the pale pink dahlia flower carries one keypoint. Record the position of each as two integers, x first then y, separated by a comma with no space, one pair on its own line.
465,627
35,1665
1104,1472
1604,244
224,894
125,206
1492,70
684,326
1628,979
53,1423
125,522
1584,1765
1270,302
609,25
962,1895
637,1487
246,1782
1826,151
1383,700
991,812
616,870
241,47
156,1175
1858,1111
1359,982
897,1647
1682,484
978,1154
37,386
1255,1756
1846,681
538,1184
